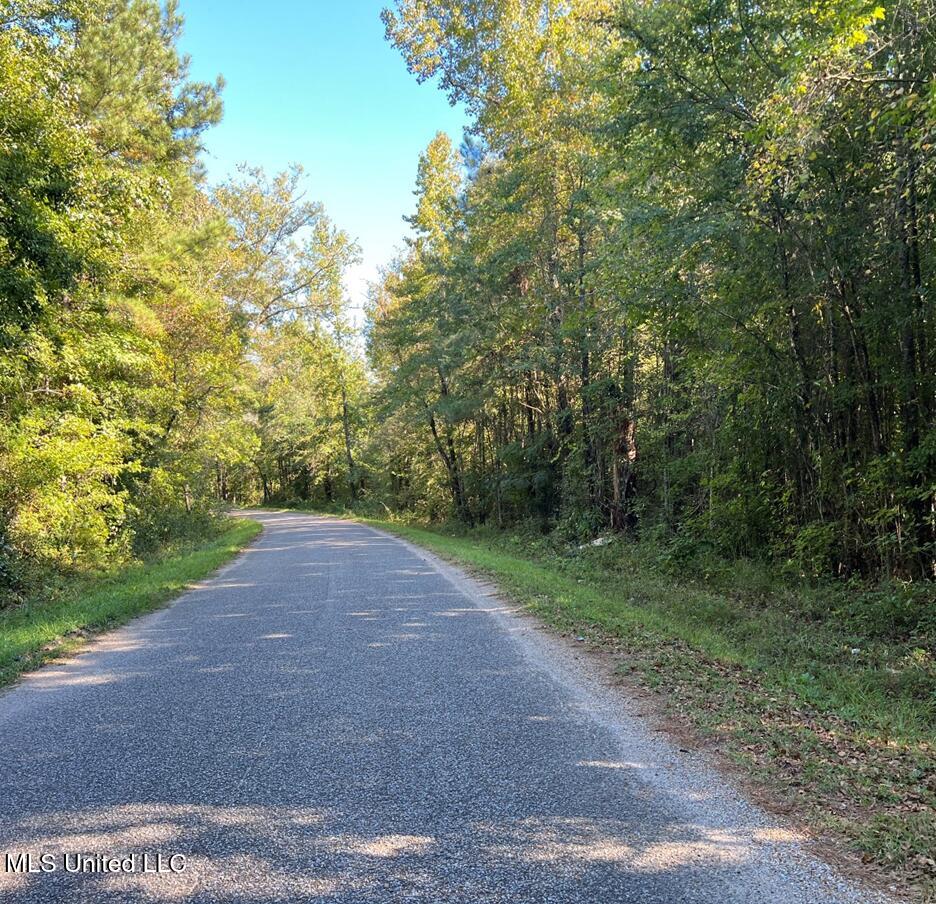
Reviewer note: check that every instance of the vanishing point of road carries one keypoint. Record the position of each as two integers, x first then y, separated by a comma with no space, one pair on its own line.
338,717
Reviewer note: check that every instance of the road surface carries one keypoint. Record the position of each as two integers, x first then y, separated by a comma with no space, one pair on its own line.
337,717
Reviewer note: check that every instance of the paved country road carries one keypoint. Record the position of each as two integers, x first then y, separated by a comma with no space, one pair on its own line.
337,717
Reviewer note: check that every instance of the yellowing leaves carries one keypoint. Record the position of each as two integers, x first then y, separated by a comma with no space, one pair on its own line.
858,36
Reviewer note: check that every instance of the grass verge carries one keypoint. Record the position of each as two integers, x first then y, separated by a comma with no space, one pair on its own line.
831,723
40,629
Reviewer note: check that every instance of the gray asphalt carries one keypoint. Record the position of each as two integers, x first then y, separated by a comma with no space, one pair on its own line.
335,717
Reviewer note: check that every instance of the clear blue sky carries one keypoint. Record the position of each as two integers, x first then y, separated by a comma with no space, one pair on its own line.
314,82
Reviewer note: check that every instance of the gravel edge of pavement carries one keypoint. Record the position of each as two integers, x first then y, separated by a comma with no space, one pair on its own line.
676,772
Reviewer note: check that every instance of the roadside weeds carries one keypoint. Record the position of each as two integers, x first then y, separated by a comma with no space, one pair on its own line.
866,797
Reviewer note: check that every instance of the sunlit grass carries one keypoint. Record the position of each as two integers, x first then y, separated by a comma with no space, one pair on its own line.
43,627
774,637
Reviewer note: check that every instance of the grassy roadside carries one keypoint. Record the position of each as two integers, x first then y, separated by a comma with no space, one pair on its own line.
831,720
40,629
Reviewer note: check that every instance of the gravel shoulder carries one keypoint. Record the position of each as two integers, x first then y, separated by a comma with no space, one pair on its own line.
689,776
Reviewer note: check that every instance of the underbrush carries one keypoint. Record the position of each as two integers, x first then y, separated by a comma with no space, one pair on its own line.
865,652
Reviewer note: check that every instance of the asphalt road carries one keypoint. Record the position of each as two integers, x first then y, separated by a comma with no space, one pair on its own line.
335,717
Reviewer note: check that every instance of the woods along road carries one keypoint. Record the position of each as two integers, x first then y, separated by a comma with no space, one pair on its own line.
337,716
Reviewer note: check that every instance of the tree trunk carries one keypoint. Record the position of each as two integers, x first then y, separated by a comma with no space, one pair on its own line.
349,455
912,409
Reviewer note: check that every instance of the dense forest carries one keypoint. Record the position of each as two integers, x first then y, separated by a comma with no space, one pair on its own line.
677,281
674,283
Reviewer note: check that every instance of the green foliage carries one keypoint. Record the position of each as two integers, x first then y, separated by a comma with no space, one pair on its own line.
165,348
286,258
59,476
98,124
131,84
53,211
312,395
676,283
684,283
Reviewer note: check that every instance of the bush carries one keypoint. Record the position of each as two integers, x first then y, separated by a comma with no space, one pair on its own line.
814,549
165,510
59,479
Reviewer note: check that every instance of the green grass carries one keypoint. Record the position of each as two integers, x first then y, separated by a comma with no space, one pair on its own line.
824,695
41,627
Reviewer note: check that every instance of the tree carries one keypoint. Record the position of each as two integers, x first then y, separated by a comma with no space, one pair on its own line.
694,230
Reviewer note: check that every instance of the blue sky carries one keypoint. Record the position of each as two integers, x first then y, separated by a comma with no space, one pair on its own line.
314,82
